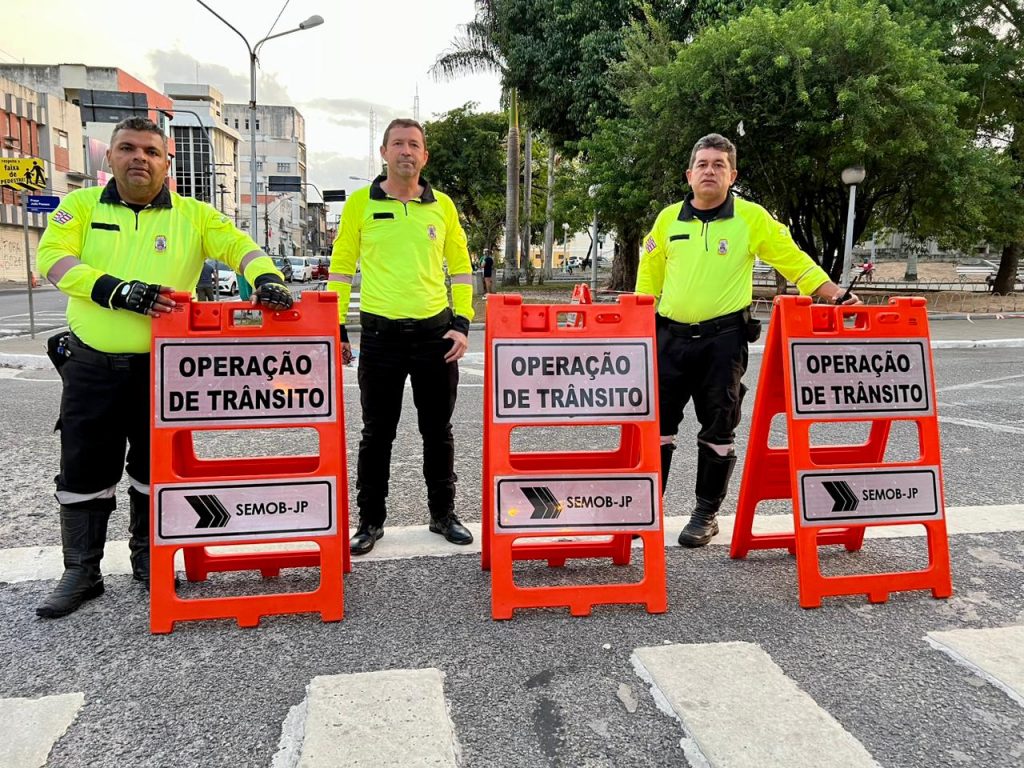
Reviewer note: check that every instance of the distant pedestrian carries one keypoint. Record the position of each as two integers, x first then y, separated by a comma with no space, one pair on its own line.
205,289
488,265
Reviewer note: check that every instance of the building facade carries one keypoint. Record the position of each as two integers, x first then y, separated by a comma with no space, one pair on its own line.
317,238
35,124
280,151
206,164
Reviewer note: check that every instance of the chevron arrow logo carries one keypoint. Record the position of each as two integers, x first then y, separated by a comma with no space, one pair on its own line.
843,496
545,505
212,513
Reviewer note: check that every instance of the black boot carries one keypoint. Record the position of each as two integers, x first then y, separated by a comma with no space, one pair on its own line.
713,473
138,530
83,533
667,449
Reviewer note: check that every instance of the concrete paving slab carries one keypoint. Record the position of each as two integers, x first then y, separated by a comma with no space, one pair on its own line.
30,727
995,654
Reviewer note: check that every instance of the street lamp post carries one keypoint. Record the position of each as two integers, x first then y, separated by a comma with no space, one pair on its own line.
312,21
565,244
361,178
851,176
592,190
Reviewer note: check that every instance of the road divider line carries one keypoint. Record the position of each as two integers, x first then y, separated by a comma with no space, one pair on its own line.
402,542
995,654
393,718
32,726
739,709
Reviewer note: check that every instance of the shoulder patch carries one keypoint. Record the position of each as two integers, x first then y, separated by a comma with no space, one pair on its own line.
650,244
62,217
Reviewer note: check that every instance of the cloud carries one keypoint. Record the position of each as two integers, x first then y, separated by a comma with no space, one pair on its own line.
350,106
179,67
331,170
348,122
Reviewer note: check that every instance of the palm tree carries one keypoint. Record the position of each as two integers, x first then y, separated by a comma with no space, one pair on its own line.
477,50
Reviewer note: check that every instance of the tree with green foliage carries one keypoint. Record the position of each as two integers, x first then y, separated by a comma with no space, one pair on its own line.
805,93
467,163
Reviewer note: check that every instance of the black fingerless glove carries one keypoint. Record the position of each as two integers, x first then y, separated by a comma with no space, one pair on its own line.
461,324
344,333
133,295
271,291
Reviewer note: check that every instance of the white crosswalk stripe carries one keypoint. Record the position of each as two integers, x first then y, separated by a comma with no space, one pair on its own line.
402,542
738,709
343,717
995,654
31,727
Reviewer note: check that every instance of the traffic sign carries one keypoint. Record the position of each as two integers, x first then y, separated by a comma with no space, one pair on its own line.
559,379
284,183
334,195
42,203
576,503
876,495
22,172
251,509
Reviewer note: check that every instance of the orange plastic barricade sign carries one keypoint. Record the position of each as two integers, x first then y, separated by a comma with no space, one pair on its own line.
846,364
598,370
212,373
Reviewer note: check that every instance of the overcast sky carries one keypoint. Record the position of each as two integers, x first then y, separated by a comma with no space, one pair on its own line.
365,55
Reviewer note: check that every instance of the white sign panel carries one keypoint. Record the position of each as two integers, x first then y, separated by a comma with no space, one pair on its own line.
844,497
256,509
874,377
269,381
581,503
556,380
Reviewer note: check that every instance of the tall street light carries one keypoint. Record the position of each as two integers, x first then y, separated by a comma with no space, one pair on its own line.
851,176
592,190
565,244
254,50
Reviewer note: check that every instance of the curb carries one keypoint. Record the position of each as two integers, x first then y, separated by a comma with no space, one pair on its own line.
42,362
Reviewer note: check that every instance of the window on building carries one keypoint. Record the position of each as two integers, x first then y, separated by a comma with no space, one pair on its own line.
259,187
259,165
62,139
285,167
192,170
247,124
257,123
236,122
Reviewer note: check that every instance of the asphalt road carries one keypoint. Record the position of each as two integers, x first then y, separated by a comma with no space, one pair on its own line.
544,689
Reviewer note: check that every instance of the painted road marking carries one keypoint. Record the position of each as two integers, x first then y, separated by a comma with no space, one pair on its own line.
738,709
996,655
32,726
396,717
402,542
982,383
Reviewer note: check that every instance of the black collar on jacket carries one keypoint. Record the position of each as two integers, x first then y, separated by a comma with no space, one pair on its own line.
112,196
727,211
376,193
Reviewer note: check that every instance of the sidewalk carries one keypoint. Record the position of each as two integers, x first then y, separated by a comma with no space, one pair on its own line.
947,333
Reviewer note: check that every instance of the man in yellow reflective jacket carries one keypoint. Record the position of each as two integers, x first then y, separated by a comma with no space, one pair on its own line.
698,260
119,252
403,234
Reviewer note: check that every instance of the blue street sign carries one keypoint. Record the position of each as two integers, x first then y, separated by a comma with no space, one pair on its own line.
42,203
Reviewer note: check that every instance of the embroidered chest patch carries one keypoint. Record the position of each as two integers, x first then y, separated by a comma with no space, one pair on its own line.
723,247
160,244
432,232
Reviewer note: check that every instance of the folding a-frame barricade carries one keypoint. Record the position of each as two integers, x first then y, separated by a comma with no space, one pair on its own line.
824,363
598,369
211,373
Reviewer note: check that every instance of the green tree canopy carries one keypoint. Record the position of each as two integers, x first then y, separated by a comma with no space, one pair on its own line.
804,93
467,162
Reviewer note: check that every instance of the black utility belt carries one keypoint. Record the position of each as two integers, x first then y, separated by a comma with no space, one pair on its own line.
380,324
712,327
119,361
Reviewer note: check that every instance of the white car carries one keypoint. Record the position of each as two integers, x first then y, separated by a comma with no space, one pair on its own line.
302,271
227,280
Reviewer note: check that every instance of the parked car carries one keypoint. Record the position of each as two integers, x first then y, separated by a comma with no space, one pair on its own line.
284,266
227,280
302,271
321,268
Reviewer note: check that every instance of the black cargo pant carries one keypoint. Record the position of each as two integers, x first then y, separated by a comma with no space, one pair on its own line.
706,367
390,351
104,408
